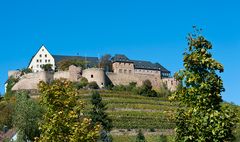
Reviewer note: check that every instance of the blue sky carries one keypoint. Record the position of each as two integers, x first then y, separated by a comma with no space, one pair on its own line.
152,30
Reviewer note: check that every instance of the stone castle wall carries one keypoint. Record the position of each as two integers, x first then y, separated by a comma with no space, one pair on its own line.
171,83
95,74
30,81
61,74
125,79
123,67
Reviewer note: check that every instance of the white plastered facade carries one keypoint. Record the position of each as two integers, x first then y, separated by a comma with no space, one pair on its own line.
41,58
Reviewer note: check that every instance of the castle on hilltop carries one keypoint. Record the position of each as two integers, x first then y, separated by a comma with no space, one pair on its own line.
124,71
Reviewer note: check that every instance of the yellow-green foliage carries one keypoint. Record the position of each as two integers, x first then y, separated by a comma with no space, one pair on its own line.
63,119
201,117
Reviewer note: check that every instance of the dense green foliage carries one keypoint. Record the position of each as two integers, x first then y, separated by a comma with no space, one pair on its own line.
47,67
99,116
201,116
145,90
140,137
64,119
105,63
27,114
93,85
10,83
64,64
25,71
6,112
81,84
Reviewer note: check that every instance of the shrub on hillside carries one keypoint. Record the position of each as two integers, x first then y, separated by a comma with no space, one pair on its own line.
93,85
163,138
146,90
81,84
130,87
119,88
47,67
164,91
140,137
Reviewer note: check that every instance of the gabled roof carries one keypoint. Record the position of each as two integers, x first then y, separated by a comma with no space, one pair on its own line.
37,52
92,61
140,64
120,58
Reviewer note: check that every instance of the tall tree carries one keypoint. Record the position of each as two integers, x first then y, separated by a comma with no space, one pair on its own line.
98,115
27,114
105,62
64,120
140,137
201,117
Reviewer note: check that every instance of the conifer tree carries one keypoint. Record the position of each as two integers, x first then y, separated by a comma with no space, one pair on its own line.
98,115
140,136
201,117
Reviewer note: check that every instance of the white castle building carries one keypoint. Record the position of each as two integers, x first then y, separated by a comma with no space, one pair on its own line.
40,58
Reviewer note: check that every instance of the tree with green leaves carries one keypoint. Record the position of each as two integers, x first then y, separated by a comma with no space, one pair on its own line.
47,67
65,64
25,71
201,117
105,62
146,89
99,116
140,137
27,114
10,83
64,119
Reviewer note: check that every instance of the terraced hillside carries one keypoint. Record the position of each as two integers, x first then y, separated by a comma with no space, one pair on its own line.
131,112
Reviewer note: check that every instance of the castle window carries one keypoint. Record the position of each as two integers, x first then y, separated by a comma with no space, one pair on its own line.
101,83
40,55
45,55
91,75
42,49
37,60
130,71
125,71
120,70
45,61
48,60
40,61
